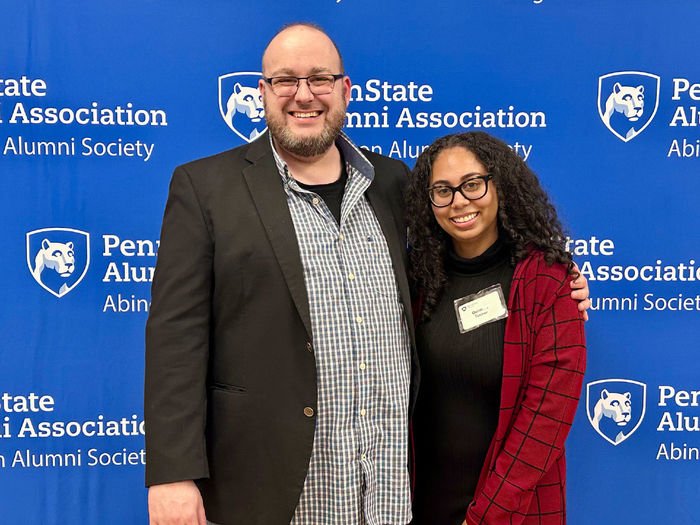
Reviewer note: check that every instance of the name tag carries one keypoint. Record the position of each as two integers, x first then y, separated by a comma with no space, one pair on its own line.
481,308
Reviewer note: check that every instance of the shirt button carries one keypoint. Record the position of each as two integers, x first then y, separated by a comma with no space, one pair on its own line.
308,411
359,319
309,347
342,237
363,412
362,366
363,457
315,200
351,276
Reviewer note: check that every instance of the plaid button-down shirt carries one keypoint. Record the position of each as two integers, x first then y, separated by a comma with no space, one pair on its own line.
358,468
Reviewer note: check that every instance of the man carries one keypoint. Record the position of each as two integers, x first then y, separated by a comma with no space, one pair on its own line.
279,353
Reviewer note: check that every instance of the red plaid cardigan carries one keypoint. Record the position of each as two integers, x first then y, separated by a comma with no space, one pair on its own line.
544,357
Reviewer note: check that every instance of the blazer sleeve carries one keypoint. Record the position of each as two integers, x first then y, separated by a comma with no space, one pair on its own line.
177,340
543,418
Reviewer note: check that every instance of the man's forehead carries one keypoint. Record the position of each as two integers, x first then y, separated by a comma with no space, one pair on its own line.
300,46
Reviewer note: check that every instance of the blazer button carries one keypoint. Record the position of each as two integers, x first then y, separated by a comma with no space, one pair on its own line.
309,347
308,411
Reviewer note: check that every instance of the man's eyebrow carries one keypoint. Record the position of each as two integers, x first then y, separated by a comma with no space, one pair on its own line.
282,72
287,72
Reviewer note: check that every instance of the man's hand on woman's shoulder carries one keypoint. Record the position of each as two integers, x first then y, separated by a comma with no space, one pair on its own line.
580,293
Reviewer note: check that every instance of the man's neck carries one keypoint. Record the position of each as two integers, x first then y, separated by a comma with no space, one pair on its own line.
321,169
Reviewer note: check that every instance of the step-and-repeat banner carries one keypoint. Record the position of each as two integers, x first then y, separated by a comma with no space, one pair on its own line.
100,101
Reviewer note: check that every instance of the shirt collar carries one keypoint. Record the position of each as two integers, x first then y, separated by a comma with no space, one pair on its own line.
351,153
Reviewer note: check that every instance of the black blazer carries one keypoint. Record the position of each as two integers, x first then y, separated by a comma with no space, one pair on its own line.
230,369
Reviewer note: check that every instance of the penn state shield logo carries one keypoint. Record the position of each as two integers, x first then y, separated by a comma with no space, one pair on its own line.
58,258
241,105
616,407
627,102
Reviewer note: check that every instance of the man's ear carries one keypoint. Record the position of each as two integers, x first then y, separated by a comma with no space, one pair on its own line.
346,88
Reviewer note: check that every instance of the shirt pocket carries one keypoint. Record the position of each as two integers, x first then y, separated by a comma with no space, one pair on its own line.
378,267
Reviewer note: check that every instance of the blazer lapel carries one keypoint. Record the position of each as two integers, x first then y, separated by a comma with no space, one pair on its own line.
265,185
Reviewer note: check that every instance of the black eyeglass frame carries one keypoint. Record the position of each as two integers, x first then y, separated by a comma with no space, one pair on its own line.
308,84
486,178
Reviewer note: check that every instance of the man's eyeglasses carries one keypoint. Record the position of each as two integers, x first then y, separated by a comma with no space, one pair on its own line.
318,84
472,189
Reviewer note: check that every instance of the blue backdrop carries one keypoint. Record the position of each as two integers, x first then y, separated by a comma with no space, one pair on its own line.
100,101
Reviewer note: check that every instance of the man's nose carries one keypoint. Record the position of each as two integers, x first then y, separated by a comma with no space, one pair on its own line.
303,93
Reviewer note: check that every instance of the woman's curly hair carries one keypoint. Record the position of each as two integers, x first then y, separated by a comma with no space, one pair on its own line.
525,216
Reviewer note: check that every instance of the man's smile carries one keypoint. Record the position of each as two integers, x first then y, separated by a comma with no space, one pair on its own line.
305,114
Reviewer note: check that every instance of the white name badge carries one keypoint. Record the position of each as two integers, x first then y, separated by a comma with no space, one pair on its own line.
481,308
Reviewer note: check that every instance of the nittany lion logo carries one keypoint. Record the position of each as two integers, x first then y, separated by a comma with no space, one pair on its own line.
615,407
58,258
627,102
241,105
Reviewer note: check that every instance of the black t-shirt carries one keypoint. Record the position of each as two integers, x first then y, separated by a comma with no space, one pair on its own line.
332,193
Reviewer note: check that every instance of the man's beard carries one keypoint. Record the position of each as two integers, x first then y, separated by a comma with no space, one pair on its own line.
306,146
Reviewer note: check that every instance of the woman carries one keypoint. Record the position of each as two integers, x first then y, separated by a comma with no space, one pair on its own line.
498,394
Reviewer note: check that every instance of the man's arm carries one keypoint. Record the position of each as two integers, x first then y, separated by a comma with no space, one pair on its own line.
177,353
580,293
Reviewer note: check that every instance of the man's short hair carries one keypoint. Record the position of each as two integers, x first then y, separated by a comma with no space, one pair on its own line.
310,25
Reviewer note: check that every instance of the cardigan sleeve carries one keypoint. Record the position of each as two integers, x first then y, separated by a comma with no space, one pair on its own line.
550,322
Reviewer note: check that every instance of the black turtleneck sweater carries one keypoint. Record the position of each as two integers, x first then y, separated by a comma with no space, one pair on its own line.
458,401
